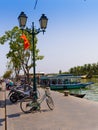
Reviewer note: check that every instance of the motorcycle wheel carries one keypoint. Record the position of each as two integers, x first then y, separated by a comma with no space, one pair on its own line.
13,98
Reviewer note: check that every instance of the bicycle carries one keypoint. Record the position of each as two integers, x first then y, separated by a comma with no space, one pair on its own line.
31,103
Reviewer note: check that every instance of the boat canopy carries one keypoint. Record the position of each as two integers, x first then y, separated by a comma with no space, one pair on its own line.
60,79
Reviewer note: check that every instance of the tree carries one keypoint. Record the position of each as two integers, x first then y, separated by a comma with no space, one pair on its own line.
86,69
19,58
7,74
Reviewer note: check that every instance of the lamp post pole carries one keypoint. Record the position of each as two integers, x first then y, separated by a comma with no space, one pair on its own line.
34,68
43,24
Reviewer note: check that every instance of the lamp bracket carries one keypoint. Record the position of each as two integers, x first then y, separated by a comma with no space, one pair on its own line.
35,32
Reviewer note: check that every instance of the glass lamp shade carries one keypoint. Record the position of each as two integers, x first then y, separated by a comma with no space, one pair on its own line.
22,18
43,22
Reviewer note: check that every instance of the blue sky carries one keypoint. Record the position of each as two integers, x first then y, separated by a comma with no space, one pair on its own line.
71,37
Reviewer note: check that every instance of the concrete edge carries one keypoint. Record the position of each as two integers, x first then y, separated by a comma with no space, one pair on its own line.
3,108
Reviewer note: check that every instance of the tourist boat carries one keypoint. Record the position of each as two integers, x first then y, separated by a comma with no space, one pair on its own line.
61,82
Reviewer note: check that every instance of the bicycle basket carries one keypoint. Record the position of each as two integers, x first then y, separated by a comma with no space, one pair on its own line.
47,91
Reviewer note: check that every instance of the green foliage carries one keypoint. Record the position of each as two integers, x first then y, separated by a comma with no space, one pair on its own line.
7,74
19,58
90,69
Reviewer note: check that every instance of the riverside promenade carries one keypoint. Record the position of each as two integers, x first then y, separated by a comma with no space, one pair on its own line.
70,113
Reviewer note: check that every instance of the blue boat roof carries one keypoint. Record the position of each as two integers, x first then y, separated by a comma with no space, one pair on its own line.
60,76
64,75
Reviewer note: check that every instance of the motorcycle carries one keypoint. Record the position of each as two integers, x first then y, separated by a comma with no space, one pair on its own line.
17,94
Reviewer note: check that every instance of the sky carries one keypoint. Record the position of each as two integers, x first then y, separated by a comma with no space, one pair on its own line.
71,37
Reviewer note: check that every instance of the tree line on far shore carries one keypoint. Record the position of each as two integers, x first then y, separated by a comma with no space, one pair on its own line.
87,69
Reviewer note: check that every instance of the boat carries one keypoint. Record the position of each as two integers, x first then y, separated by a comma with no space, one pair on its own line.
77,95
87,76
61,82
69,86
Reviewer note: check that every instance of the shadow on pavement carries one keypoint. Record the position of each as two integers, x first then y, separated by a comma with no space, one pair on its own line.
14,115
45,110
8,102
2,120
2,103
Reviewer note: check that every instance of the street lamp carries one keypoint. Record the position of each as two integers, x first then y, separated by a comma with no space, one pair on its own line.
22,18
43,24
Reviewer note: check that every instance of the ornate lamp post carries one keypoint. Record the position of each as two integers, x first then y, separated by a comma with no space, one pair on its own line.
43,24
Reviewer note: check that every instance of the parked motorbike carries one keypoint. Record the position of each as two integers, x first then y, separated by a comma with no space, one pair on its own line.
17,94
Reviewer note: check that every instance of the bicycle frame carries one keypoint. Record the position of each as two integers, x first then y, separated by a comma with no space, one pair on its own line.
42,99
46,94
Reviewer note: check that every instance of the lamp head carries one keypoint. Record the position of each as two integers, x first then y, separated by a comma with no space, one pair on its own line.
43,22
22,18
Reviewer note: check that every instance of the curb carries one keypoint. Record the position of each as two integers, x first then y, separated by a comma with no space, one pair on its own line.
2,108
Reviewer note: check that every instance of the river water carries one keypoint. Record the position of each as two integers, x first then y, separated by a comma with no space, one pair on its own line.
90,91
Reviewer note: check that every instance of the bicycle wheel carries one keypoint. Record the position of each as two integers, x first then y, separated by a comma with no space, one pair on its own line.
50,102
26,104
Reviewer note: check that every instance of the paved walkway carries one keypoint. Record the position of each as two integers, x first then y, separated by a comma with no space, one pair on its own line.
70,113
